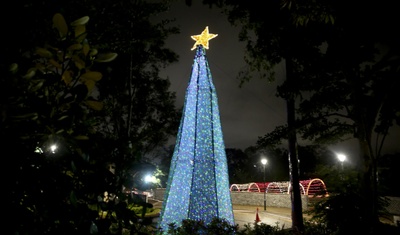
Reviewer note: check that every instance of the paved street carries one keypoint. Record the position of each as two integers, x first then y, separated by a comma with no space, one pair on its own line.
273,216
247,215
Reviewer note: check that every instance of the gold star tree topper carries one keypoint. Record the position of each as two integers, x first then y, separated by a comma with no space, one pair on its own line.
203,38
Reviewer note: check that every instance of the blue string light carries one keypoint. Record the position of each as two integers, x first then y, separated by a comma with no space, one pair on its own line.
198,183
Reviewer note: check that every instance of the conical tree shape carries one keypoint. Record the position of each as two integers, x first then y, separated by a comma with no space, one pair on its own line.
198,183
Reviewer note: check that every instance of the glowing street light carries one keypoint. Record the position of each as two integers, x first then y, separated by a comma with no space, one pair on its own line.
150,179
53,148
264,162
341,158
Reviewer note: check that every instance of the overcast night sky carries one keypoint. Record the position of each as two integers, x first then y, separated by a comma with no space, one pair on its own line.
247,112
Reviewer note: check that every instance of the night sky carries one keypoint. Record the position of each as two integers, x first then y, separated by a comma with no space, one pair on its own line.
247,112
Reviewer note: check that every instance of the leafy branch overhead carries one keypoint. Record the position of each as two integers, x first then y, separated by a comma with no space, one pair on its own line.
61,84
57,95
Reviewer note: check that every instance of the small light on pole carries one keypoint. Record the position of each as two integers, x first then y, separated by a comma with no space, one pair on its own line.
341,158
53,148
264,162
149,179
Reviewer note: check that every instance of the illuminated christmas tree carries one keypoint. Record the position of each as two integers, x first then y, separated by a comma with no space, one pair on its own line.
198,183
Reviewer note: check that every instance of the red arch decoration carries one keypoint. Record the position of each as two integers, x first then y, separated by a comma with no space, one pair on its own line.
314,187
278,187
302,190
239,187
254,187
307,187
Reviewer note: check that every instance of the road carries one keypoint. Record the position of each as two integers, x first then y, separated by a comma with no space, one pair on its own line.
273,216
243,215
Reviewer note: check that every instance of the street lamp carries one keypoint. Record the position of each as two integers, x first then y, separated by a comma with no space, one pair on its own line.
150,179
341,158
264,162
53,148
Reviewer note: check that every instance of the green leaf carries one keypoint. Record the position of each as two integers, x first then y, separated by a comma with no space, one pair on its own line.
107,57
28,115
31,72
81,137
67,77
80,33
55,63
63,117
92,75
79,63
72,198
86,49
82,21
90,84
60,24
13,67
37,85
93,52
75,47
43,52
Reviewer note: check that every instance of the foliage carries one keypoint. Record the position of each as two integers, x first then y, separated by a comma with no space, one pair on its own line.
216,226
138,209
165,163
346,209
60,100
389,166
343,63
63,190
139,111
56,94
264,229
345,212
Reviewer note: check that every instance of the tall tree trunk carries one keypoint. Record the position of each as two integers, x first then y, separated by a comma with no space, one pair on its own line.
369,184
364,129
297,212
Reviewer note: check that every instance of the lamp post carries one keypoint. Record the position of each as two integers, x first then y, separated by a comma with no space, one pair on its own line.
264,162
341,158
